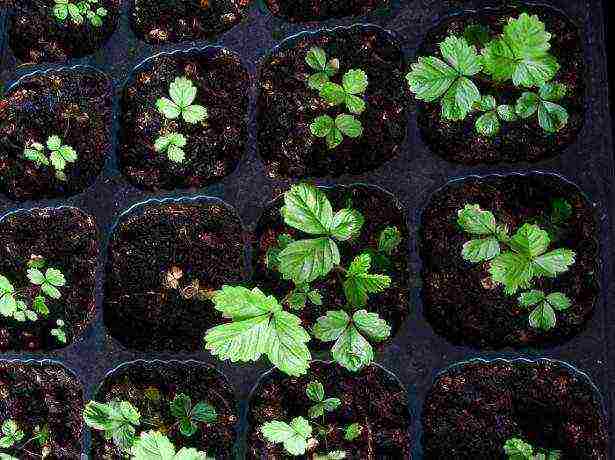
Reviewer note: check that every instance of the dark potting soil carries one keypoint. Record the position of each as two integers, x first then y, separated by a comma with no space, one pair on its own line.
286,106
319,10
522,140
373,398
172,21
203,240
214,146
472,409
73,104
151,386
380,210
39,396
36,35
480,314
67,239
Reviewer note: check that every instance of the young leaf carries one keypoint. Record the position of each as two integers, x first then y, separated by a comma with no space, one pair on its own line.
521,53
183,94
349,125
35,152
315,391
308,209
117,419
181,408
294,436
322,125
316,58
259,326
173,144
359,283
517,449
346,224
11,434
543,315
305,260
389,239
352,432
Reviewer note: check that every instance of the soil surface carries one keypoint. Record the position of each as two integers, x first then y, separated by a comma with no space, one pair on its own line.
286,106
172,21
151,386
518,141
380,210
373,398
36,35
203,240
319,10
480,314
472,410
214,146
67,239
73,104
36,396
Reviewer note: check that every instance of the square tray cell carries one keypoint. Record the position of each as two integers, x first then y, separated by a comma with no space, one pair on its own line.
165,259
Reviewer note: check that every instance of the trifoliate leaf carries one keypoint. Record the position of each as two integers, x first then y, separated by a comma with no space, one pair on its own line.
359,283
352,432
308,209
474,220
521,53
305,260
355,81
117,419
346,224
294,436
322,125
349,125
388,240
488,124
530,240
480,250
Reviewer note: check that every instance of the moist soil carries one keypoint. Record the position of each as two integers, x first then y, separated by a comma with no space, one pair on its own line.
522,140
286,106
172,21
380,210
74,104
319,10
35,35
480,314
151,386
67,239
38,395
373,397
472,409
203,240
214,146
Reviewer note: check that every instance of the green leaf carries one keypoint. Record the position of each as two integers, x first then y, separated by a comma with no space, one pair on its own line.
355,81
194,113
308,209
430,78
286,349
5,285
486,104
388,240
530,240
60,11
334,138
531,298
238,302
355,104
554,262
305,260
371,325
552,117
315,297
34,152
182,91
8,305
480,250
95,20
527,105
352,432
349,125
203,412
54,142
293,436
168,108
117,419
328,328
507,113
346,224
517,449
162,143
488,124
55,277
181,405
521,53
359,283
51,291
474,220
322,125
559,301
35,276
315,391
297,300
68,153
333,93
459,100
317,81
461,56
552,92
316,58
75,13
352,351
153,445
512,270
543,317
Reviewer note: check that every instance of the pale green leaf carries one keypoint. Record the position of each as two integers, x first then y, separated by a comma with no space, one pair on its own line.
480,250
476,221
305,260
530,240
349,125
182,92
330,327
370,324
355,81
322,125
430,78
488,124
461,55
346,224
308,209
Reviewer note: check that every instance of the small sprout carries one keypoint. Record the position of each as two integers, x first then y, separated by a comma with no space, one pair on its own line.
488,124
189,415
389,239
316,58
352,432
334,130
59,332
59,155
518,449
301,294
183,94
552,117
36,262
11,434
117,419
294,436
316,392
173,144
543,313
354,84
359,283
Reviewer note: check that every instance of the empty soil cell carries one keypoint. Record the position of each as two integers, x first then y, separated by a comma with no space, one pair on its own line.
373,398
74,104
150,386
318,10
480,314
381,210
172,21
202,240
42,396
473,408
286,106
214,145
67,239
36,35
518,141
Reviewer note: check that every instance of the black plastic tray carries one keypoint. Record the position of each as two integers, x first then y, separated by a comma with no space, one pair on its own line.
416,355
